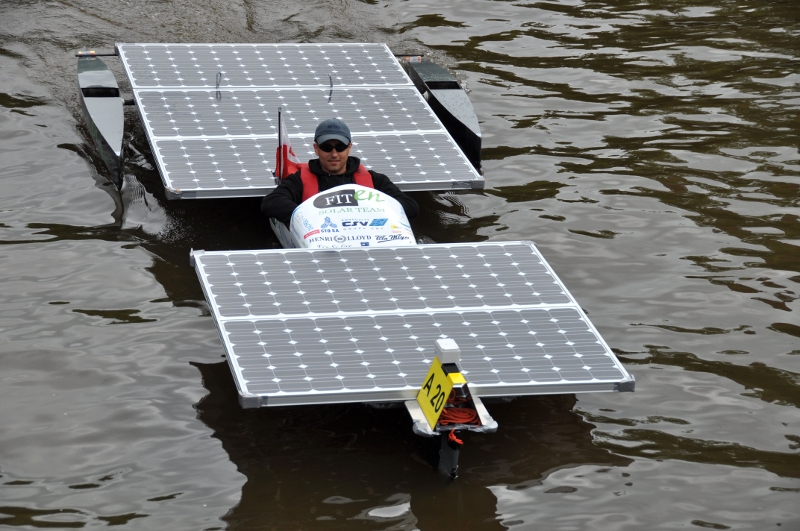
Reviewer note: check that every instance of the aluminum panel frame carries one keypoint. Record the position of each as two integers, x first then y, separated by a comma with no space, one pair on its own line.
242,77
305,349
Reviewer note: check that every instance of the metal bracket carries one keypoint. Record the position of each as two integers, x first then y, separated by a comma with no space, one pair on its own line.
250,401
419,423
488,424
626,387
173,193
193,254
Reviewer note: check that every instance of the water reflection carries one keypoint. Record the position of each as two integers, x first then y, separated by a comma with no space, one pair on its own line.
313,464
759,380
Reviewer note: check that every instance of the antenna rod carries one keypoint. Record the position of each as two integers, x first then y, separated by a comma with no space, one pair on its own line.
280,146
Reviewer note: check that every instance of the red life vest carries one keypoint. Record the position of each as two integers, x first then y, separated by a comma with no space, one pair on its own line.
362,177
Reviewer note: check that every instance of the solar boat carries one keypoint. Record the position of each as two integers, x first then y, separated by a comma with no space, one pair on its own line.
382,322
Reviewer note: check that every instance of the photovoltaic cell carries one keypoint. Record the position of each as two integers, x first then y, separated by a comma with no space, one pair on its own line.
225,97
242,164
171,113
351,325
260,65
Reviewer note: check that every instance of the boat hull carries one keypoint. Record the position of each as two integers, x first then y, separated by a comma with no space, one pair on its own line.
102,110
451,104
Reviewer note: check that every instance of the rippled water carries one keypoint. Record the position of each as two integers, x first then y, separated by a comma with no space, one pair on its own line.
649,148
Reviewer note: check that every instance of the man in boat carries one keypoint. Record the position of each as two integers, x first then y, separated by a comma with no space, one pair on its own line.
334,167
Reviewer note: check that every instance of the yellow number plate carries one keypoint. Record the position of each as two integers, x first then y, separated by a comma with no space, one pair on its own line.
434,393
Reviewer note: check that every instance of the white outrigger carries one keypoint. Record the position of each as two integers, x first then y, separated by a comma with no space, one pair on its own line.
353,309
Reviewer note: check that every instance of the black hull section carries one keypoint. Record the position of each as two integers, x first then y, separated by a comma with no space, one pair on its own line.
451,104
111,155
443,102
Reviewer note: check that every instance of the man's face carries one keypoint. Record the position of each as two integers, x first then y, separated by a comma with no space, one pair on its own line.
333,161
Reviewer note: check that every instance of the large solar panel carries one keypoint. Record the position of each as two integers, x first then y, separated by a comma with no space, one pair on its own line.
356,325
211,114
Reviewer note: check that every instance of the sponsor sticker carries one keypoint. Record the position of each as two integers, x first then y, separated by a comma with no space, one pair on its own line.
350,216
383,238
352,210
341,238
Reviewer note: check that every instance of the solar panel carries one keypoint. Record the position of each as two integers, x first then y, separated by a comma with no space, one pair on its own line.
357,325
260,65
210,112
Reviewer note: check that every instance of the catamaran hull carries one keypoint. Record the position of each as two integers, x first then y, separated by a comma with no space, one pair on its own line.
451,104
110,110
102,110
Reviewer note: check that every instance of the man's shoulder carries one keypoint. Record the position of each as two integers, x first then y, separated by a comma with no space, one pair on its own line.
378,177
291,182
293,177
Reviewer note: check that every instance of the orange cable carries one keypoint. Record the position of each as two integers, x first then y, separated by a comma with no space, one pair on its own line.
458,415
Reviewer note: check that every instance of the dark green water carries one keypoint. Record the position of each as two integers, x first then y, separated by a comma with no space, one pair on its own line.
649,148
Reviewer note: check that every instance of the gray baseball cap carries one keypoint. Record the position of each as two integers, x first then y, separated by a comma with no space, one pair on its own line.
332,129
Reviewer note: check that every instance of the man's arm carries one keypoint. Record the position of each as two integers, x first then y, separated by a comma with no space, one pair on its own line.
382,183
281,202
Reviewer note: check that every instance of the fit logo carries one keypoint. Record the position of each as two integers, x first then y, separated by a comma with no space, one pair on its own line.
337,199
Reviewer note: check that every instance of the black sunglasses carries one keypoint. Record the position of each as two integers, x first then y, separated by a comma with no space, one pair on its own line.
327,147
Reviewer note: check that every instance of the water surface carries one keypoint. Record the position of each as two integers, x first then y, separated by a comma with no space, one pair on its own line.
649,148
